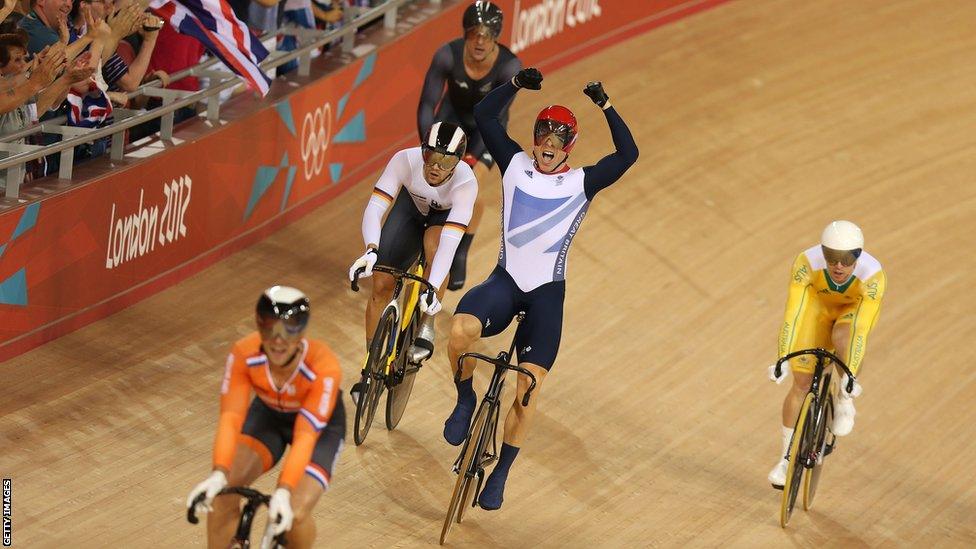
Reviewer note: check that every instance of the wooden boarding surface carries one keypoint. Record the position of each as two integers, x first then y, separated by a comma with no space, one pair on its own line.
758,122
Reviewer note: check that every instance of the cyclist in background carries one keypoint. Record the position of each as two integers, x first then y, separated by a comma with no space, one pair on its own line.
461,73
834,300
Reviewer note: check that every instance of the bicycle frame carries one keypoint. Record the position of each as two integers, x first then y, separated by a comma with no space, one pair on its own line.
402,319
491,399
824,358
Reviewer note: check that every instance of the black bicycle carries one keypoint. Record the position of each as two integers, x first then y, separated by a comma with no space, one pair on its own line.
252,501
475,452
387,364
812,440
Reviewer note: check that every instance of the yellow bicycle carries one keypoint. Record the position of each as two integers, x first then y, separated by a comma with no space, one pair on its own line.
387,365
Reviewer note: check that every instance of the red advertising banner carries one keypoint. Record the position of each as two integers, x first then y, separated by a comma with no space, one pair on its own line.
78,256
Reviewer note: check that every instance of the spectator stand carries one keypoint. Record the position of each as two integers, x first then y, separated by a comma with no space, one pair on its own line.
218,81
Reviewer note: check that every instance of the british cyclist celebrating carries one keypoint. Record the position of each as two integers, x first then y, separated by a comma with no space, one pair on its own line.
544,201
298,403
432,193
461,73
834,300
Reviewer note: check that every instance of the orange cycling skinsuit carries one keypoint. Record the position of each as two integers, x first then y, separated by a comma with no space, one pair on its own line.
306,411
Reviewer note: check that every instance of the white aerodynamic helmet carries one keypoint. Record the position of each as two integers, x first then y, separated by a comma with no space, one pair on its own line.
842,235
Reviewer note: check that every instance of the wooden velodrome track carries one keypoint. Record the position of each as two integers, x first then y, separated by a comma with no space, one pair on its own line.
758,122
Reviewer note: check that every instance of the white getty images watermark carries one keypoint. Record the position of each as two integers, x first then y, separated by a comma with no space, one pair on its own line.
548,18
8,536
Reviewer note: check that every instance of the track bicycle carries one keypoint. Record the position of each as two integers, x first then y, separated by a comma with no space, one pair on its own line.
242,538
812,440
475,452
387,364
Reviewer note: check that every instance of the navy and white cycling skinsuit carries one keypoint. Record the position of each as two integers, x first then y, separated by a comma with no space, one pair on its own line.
541,214
463,93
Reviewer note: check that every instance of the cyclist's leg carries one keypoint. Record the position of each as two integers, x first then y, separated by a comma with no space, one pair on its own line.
486,310
537,344
400,243
844,410
813,330
318,474
423,344
260,446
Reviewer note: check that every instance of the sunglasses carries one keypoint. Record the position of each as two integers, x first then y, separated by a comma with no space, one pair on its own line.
844,257
441,160
558,132
285,328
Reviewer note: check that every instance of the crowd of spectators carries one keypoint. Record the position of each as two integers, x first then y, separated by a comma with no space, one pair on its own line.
77,60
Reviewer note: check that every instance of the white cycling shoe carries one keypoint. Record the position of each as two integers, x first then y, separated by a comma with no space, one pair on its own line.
777,477
422,347
843,416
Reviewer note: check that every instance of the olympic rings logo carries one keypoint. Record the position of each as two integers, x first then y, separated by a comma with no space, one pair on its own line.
316,134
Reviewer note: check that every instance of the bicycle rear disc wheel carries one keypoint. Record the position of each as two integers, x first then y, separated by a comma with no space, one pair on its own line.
798,451
812,478
399,394
373,374
466,472
397,398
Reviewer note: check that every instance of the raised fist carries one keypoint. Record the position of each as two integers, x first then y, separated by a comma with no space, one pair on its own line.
594,90
530,79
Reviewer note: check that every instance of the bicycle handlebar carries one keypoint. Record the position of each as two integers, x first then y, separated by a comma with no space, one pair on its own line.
502,361
821,354
397,273
250,494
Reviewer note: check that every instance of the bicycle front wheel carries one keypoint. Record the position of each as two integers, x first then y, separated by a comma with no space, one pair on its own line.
374,373
799,448
466,471
821,439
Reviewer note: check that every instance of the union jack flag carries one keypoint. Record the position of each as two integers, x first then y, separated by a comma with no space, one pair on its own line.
214,24
90,110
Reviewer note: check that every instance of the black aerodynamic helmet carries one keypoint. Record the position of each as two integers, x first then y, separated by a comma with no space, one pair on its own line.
288,305
445,145
483,14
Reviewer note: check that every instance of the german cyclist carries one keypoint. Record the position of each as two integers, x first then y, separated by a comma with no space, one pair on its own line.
432,193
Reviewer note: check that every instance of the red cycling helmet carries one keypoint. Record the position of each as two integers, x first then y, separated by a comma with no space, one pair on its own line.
559,121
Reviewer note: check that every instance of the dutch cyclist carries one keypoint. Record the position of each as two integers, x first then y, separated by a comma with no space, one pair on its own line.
298,403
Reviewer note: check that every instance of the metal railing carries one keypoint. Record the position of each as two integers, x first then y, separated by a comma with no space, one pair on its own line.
173,100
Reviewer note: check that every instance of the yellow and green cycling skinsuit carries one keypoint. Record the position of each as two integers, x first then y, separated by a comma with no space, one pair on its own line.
816,303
